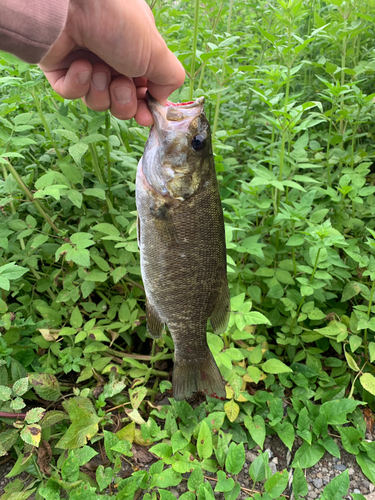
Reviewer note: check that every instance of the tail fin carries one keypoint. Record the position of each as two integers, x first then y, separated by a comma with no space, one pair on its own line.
193,376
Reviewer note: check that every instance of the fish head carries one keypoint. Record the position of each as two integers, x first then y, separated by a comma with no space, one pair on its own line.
178,153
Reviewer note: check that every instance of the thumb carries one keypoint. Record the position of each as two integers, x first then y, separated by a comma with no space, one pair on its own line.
165,74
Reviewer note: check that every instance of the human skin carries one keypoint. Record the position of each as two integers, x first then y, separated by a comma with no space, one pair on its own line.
109,53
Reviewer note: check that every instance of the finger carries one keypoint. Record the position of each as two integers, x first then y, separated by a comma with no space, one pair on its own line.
73,82
165,74
143,116
98,97
123,98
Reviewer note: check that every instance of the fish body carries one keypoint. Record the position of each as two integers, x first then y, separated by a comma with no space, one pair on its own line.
182,242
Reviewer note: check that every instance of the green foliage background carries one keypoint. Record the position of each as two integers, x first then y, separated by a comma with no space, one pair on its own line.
289,93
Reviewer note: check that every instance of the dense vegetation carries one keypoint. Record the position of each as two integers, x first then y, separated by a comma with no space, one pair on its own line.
289,93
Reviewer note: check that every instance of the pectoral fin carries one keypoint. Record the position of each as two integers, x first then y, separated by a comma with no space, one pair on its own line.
164,224
155,325
220,315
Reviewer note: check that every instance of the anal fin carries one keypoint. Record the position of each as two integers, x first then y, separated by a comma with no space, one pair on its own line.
155,325
220,315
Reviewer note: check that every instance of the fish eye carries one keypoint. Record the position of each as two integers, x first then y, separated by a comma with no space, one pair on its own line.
198,142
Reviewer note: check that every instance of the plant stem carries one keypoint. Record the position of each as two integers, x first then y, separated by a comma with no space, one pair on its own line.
193,55
368,315
44,122
35,202
222,79
303,298
109,172
99,176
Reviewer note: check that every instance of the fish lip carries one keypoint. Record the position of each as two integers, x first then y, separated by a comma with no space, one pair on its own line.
153,103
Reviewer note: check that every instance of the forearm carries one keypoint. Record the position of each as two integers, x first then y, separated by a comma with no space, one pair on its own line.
28,28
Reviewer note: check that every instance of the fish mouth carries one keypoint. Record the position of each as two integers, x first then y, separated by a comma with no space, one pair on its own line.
182,113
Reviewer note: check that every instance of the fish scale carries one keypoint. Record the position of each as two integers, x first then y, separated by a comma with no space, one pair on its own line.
182,245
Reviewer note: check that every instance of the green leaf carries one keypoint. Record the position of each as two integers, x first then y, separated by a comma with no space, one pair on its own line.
286,433
84,455
300,487
70,468
77,151
277,483
308,455
106,228
45,385
355,341
367,466
96,275
256,428
368,382
75,197
336,411
178,441
337,488
53,417
223,483
333,329
96,192
258,468
84,426
351,289
166,495
71,172
76,319
330,445
235,458
20,387
275,366
351,439
168,478
204,441
35,415
350,360
195,479
255,355
104,477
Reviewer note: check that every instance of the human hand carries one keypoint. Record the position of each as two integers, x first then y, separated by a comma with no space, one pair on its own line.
109,53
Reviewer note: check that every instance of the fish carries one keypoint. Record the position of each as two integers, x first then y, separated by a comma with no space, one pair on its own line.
181,239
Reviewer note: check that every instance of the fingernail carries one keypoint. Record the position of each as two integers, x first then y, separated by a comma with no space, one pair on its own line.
84,76
123,94
100,80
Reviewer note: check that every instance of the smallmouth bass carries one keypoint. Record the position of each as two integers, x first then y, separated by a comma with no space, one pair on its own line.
182,242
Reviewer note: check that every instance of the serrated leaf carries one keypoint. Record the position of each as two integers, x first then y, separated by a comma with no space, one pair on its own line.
35,415
45,385
21,386
31,434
